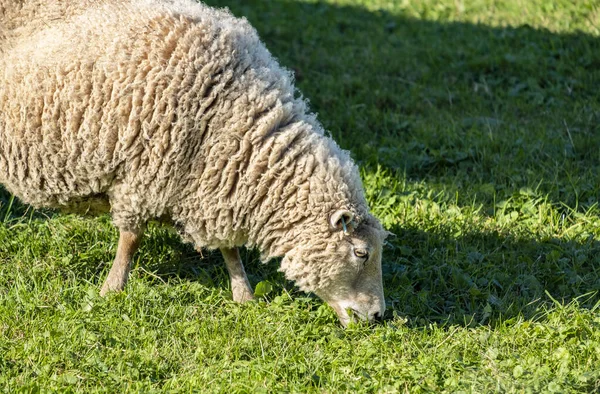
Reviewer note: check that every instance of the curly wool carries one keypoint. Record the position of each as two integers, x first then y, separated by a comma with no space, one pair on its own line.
168,110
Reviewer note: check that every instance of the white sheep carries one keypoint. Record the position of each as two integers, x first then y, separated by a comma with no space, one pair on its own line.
174,111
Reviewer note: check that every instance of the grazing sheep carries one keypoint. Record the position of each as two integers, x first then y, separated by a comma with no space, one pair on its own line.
174,111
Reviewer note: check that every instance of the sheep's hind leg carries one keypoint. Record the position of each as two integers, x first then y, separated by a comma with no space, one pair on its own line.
240,286
117,277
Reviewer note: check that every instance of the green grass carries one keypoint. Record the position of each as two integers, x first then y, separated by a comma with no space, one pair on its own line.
477,128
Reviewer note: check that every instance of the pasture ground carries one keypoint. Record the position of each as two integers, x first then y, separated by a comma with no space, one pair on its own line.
476,125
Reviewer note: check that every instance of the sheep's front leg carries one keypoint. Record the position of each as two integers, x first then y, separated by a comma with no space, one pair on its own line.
240,286
117,277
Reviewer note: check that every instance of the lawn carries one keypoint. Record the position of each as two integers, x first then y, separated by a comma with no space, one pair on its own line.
476,125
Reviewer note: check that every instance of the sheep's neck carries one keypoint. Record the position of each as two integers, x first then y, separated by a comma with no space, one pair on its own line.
294,181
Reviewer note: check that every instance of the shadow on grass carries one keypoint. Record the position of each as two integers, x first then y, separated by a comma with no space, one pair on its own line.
180,261
477,278
11,209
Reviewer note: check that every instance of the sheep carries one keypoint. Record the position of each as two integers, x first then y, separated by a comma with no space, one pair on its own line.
175,111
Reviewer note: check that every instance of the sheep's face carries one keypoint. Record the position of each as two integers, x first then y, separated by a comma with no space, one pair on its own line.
342,266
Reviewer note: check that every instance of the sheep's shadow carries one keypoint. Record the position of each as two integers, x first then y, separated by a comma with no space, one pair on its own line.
12,209
177,260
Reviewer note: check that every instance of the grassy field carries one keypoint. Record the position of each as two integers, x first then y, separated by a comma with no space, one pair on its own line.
476,125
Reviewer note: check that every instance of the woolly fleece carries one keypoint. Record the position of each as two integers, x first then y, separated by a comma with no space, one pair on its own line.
174,111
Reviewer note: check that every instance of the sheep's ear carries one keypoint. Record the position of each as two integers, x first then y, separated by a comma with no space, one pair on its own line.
340,220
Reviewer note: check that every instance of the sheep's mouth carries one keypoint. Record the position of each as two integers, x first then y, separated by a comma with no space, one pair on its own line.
354,315
344,315
350,315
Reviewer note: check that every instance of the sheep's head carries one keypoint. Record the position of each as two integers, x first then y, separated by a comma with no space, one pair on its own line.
341,263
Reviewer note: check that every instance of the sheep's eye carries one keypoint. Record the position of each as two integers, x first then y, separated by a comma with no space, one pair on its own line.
361,253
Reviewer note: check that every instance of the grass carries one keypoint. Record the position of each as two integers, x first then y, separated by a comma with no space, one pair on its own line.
476,125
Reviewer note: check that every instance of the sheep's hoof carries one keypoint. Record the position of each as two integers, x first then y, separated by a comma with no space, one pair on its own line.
109,288
242,295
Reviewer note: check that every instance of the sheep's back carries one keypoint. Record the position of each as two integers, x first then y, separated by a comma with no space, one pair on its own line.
129,92
86,102
20,18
